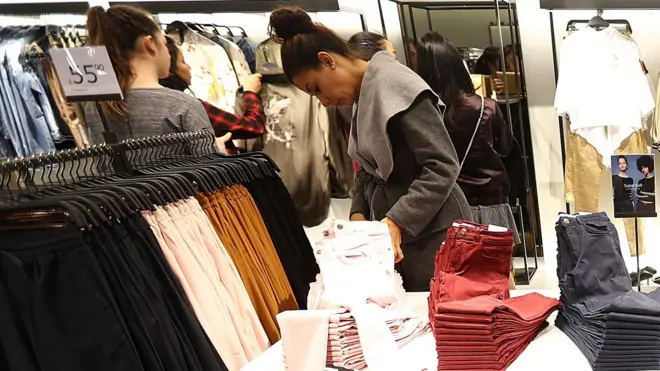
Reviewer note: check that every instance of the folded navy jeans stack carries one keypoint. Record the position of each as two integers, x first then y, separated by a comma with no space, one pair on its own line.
615,327
477,326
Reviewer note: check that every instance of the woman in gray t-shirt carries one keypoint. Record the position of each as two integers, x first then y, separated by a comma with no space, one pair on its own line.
139,56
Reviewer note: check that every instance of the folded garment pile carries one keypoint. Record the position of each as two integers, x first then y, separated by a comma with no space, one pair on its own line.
355,320
477,326
345,349
615,327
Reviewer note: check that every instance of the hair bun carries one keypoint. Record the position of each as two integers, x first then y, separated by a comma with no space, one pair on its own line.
287,22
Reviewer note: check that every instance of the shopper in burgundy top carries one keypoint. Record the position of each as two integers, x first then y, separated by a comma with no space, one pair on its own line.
253,122
483,177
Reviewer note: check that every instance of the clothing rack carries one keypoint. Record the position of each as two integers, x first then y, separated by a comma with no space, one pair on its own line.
501,9
188,236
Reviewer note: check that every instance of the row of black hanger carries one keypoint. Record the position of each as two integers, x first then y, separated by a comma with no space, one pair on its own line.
102,199
69,165
204,27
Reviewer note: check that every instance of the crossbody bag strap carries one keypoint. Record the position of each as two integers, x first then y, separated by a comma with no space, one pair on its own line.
474,134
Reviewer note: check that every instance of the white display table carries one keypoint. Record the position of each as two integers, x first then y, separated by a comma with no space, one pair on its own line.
550,351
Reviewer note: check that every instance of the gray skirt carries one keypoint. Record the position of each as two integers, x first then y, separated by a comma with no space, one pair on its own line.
499,215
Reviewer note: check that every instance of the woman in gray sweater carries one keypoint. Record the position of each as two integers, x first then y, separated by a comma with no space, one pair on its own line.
408,163
138,52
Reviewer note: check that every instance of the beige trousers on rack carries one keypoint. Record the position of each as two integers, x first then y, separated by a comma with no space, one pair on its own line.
583,174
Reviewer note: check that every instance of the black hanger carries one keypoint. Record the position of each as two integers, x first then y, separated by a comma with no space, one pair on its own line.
70,211
598,22
179,27
229,32
105,203
243,33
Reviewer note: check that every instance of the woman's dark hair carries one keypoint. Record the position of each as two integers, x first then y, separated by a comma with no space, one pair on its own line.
118,29
410,42
622,157
173,81
365,44
441,66
302,40
508,50
490,56
645,161
508,53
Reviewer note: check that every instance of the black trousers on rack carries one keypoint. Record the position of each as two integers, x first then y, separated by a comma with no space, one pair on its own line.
100,300
286,231
56,307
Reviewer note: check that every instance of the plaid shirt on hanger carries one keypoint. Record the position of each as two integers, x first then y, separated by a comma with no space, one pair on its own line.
251,125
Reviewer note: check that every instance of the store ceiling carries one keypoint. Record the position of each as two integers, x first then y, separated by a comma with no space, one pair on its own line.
234,6
600,4
168,6
454,4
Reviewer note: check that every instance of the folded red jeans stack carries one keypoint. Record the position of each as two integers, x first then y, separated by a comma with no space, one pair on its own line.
477,326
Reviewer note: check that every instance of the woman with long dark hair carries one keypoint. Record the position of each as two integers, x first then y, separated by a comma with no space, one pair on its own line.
480,134
408,164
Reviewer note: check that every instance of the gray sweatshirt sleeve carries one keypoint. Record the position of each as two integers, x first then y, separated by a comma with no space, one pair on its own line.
424,130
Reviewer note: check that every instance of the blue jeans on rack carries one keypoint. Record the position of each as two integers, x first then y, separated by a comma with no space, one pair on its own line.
40,129
13,121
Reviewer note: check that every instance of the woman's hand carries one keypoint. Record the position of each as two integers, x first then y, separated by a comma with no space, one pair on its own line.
395,234
222,140
253,83
498,85
358,217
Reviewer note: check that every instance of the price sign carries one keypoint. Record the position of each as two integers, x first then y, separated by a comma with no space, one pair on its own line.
86,74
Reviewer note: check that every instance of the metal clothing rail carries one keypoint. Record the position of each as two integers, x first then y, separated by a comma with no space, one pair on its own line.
498,6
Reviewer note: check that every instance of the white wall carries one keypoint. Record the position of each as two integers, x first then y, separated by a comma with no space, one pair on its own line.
537,56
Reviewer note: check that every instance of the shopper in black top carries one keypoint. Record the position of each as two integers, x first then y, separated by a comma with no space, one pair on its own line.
479,132
483,178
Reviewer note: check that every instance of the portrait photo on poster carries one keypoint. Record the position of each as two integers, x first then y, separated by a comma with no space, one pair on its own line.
633,185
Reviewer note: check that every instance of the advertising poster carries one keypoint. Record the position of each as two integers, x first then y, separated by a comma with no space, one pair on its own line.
633,185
